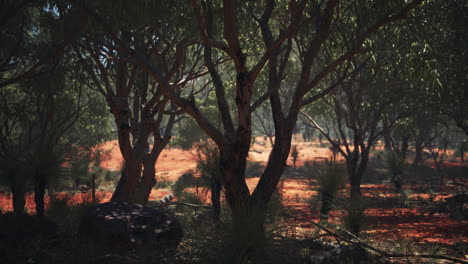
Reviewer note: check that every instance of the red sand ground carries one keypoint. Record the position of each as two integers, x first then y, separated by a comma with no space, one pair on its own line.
393,224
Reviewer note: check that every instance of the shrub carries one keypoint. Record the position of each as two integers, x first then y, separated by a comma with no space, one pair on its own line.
331,178
355,219
66,209
395,165
209,164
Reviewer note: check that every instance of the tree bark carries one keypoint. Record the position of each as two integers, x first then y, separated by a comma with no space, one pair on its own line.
355,182
148,181
387,141
418,152
19,201
357,164
39,192
216,196
128,182
404,146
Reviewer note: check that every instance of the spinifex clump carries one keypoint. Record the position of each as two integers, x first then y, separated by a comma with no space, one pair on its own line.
331,178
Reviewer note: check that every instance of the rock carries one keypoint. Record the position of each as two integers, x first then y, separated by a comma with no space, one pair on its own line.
127,226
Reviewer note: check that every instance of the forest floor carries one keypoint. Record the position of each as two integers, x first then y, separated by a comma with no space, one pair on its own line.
386,221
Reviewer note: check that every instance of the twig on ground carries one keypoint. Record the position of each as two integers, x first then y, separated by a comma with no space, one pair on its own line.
186,204
381,252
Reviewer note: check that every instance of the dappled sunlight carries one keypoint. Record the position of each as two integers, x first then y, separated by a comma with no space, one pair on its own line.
385,222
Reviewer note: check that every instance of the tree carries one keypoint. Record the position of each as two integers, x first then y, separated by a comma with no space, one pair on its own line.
140,108
359,106
40,104
39,117
266,32
24,53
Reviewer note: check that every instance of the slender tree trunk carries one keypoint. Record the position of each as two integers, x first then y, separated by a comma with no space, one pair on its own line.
418,152
216,196
93,188
462,154
355,182
353,175
39,193
387,142
19,201
357,165
404,147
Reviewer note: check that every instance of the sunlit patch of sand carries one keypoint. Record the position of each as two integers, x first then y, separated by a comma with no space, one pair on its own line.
170,165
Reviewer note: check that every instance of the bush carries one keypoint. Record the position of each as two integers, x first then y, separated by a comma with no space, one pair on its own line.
395,165
355,219
66,209
331,178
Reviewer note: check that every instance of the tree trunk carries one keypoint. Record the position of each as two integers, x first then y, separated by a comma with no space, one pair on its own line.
126,187
418,152
404,147
18,191
387,141
39,192
216,196
357,165
148,181
355,182
462,154
248,214
249,236
353,175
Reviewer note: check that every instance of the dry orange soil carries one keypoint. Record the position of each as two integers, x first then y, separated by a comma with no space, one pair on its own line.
389,224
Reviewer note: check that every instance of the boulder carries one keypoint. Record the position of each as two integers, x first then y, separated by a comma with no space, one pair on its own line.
128,226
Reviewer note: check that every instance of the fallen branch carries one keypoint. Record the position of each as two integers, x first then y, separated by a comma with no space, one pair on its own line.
186,204
381,252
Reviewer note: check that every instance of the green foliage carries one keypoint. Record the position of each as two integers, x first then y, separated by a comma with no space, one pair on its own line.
396,167
393,163
208,160
188,133
331,177
355,219
66,209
